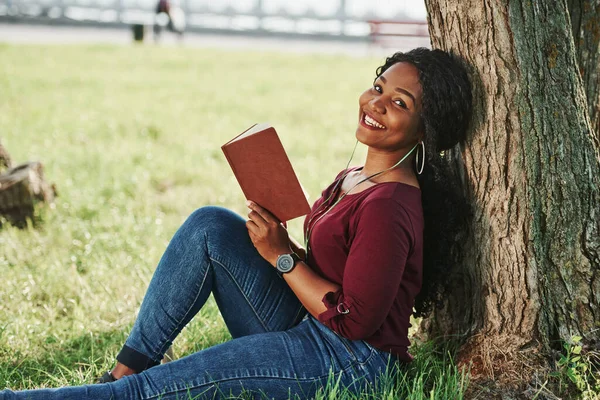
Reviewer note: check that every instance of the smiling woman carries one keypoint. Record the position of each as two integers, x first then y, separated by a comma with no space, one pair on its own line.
390,108
376,238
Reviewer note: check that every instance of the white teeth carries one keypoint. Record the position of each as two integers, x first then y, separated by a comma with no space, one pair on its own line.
371,122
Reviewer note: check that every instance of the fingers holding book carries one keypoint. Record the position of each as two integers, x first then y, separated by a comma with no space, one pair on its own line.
267,233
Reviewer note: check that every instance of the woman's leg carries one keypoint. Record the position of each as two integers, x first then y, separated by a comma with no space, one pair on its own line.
278,365
211,252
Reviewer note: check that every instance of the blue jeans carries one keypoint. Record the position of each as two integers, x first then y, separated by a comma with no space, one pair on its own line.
277,350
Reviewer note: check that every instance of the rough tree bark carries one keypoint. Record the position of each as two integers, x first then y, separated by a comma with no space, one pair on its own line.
585,24
531,276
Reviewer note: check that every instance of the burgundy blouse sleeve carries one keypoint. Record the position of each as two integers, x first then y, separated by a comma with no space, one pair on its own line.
382,243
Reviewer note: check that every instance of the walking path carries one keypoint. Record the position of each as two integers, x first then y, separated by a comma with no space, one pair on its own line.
16,33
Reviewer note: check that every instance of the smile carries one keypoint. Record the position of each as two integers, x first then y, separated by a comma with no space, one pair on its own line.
369,121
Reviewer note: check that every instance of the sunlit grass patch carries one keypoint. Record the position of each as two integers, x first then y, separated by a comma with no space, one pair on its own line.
131,137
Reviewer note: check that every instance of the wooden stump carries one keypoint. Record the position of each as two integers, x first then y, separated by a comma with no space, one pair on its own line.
21,188
4,159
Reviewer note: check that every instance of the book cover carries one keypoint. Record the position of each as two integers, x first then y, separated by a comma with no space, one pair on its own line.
264,172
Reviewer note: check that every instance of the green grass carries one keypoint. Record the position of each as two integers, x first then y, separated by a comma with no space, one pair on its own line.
131,137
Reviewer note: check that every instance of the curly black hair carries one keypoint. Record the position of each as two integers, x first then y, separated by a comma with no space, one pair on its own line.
445,115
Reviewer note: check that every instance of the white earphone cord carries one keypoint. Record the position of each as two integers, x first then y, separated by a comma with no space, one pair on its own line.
308,225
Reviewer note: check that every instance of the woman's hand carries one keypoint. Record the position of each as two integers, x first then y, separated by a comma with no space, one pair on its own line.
266,233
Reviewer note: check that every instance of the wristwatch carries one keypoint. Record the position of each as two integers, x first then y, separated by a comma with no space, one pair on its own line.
286,262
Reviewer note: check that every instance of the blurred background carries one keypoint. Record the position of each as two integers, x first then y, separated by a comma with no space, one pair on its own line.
378,22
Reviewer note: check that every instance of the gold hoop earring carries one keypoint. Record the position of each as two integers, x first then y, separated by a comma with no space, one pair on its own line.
420,170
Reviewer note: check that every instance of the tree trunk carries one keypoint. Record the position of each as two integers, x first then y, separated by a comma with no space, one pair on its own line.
20,189
531,275
585,24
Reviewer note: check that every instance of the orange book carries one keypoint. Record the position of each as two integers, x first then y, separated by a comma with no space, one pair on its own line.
264,172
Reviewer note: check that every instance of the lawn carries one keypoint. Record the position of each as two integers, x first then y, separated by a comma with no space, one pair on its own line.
131,137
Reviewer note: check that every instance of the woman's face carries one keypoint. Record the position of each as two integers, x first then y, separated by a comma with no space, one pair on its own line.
389,111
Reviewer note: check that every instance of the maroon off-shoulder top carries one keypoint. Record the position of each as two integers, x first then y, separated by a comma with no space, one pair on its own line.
371,244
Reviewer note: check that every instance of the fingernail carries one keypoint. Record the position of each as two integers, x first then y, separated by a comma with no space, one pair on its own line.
248,203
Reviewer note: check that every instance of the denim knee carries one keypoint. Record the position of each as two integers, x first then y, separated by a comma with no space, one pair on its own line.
212,219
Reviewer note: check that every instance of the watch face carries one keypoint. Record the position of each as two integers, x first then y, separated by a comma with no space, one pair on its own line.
285,263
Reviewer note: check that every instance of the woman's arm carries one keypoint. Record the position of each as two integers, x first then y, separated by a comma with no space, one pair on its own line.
310,288
374,271
272,240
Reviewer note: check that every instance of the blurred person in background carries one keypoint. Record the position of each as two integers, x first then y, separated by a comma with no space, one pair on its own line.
170,16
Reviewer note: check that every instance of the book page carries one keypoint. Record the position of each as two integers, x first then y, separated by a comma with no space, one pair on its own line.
251,131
